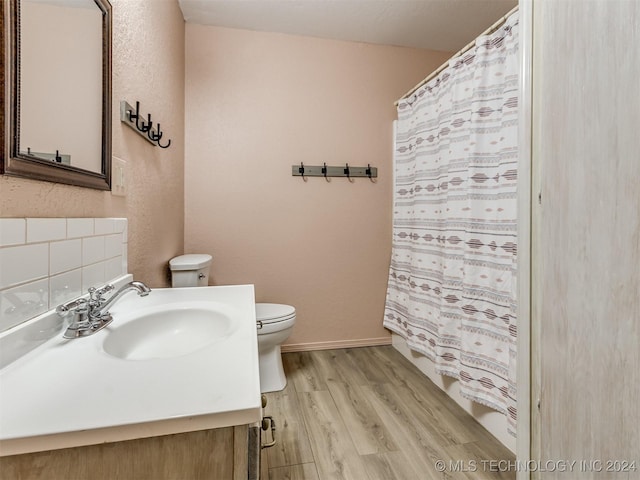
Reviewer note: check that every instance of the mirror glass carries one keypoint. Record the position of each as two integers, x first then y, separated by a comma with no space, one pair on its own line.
61,82
61,93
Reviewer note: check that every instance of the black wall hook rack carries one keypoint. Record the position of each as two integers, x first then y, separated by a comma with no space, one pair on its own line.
132,117
346,171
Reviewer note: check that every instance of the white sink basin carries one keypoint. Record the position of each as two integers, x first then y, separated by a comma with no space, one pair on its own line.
163,332
177,360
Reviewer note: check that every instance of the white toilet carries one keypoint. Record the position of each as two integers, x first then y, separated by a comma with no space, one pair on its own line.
274,321
190,270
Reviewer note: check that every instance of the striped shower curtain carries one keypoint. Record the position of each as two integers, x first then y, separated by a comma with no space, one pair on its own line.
452,281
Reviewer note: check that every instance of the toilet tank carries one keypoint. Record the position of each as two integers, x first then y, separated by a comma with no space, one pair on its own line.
190,270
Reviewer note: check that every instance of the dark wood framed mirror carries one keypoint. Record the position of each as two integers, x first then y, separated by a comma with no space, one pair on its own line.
57,91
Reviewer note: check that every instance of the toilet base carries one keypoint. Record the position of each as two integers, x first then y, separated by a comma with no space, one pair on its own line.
272,378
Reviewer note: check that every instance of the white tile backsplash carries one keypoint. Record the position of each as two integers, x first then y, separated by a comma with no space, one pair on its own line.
13,231
92,250
120,225
105,226
47,261
125,260
113,245
19,304
65,255
113,267
93,276
65,287
122,228
23,264
81,227
46,229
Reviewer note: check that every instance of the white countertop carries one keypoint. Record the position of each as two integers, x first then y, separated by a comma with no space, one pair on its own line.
71,392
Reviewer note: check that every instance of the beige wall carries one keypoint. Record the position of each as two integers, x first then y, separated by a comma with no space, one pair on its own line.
148,65
257,103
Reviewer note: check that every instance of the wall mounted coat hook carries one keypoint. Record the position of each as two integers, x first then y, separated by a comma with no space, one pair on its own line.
369,173
155,136
347,172
301,171
133,118
147,127
136,116
327,171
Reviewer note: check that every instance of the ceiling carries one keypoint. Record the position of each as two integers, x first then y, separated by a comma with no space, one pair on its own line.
446,25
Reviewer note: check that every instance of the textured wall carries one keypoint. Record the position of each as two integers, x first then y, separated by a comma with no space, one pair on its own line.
148,65
256,103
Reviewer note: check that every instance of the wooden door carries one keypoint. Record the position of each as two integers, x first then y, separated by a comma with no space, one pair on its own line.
586,237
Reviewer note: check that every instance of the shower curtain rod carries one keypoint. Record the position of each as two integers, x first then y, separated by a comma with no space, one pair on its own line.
464,49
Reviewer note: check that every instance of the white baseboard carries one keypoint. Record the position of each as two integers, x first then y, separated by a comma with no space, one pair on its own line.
494,422
362,342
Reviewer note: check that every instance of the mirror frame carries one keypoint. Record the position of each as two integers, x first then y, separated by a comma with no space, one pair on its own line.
26,166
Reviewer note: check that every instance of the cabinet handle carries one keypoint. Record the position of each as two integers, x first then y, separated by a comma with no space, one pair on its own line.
268,423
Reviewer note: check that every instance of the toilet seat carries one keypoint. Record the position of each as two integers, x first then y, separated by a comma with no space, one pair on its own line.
268,313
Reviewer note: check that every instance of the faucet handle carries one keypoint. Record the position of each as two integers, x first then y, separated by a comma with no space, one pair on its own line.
63,310
96,293
80,305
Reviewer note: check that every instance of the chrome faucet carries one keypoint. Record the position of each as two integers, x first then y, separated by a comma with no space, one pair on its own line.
91,316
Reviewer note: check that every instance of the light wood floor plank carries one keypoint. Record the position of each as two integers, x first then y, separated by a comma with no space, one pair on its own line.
292,441
355,401
421,389
305,471
444,426
373,370
390,466
338,365
264,464
465,425
367,431
489,462
335,455
416,441
301,369
402,372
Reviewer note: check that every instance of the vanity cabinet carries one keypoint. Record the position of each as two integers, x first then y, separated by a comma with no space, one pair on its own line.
229,453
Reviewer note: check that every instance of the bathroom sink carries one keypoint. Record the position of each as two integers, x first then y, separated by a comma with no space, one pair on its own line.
168,331
161,366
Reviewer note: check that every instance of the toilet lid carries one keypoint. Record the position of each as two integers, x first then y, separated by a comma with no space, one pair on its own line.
274,312
192,261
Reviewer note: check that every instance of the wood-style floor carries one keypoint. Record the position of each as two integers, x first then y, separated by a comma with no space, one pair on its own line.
369,414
